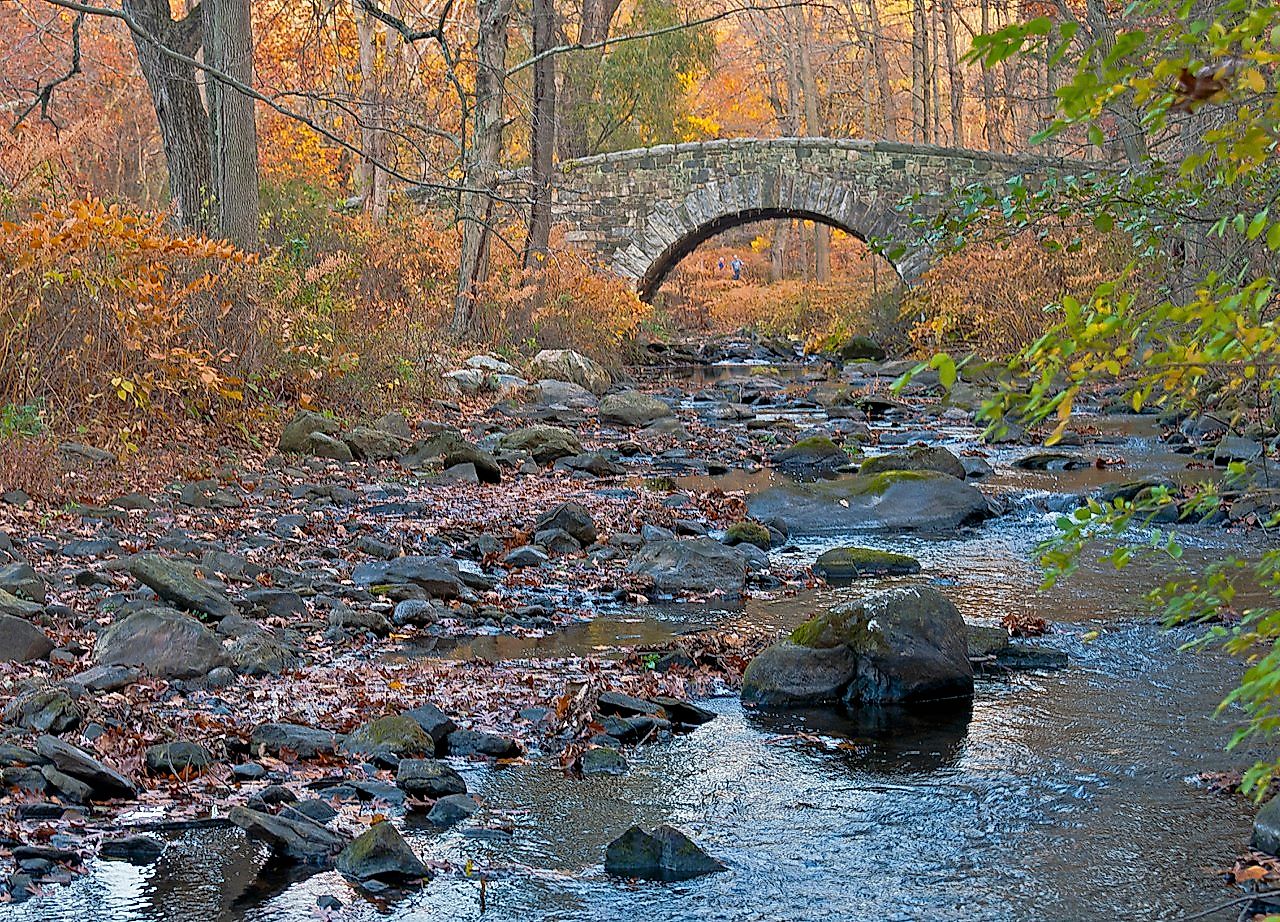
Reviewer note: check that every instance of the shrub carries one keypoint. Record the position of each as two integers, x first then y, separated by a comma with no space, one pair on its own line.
107,312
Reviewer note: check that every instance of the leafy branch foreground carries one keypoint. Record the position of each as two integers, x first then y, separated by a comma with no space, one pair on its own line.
1187,326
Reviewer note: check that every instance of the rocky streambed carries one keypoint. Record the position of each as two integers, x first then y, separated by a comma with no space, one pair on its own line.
262,665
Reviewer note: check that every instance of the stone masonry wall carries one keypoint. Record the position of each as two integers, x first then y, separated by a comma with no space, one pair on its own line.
641,211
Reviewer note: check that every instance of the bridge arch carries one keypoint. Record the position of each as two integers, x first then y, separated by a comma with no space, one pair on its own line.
641,211
663,264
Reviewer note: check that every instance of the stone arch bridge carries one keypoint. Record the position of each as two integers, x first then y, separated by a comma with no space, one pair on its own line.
642,211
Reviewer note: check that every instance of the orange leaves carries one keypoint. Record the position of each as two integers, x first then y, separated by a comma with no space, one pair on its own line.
131,294
1021,624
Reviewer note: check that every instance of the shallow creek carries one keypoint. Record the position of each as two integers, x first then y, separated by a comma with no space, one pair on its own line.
1063,795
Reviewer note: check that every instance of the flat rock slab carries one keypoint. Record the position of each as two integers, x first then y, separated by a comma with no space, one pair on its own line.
79,764
176,582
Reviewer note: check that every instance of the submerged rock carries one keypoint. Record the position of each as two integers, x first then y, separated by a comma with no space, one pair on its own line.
665,854
381,854
890,501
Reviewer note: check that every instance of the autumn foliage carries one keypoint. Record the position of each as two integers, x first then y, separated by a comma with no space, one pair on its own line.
105,314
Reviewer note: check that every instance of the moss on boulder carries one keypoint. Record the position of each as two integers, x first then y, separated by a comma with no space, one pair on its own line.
748,533
917,458
847,563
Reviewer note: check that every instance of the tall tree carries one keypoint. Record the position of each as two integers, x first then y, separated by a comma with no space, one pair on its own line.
233,147
542,131
180,112
481,160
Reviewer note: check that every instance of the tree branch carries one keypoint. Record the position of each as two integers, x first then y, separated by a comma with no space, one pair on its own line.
44,94
241,87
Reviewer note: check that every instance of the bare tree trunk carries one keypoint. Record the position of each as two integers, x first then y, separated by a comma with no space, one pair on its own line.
994,127
778,250
919,73
887,101
482,161
371,186
228,47
955,75
813,127
184,125
1133,139
542,141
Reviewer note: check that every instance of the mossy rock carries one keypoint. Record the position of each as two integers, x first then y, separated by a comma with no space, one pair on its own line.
395,733
861,349
849,563
918,458
910,644
878,484
748,533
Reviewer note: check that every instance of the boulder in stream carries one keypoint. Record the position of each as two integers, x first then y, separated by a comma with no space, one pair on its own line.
843,564
665,854
295,836
897,646
632,409
381,854
692,565
925,501
916,458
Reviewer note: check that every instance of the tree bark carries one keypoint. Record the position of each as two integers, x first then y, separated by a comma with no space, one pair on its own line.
813,126
955,76
887,101
993,129
371,179
919,72
228,47
180,112
482,161
542,141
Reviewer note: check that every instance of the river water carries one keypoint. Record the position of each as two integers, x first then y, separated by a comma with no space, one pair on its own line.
1060,795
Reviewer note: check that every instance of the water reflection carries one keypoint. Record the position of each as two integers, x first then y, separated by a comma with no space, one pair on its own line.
885,740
